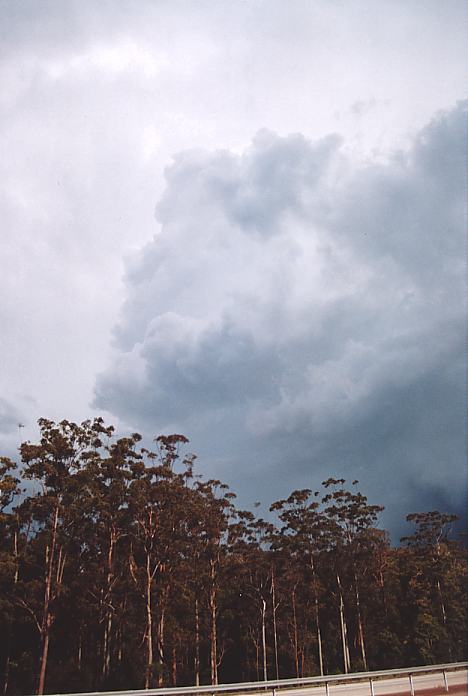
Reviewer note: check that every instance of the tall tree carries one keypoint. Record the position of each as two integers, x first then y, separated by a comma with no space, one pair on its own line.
216,503
53,464
302,537
351,519
120,568
435,591
158,506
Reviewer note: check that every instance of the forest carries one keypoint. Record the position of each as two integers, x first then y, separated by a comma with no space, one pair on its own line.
122,567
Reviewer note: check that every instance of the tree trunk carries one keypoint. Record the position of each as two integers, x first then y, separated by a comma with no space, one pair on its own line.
444,616
214,638
106,658
317,619
319,637
296,654
257,659
161,645
80,650
106,649
44,656
213,624
46,613
361,641
383,594
442,604
174,666
197,644
257,653
344,629
360,624
275,634
265,670
120,637
149,625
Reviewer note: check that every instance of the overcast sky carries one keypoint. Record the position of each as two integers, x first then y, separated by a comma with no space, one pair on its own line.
244,221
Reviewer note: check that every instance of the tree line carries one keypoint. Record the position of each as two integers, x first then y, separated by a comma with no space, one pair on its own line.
121,567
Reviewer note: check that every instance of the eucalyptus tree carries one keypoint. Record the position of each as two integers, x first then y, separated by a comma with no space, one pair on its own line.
52,516
106,481
9,487
202,564
120,567
250,545
351,520
158,506
436,596
303,538
217,510
382,599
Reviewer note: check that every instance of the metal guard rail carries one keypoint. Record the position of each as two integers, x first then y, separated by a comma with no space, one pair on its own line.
274,685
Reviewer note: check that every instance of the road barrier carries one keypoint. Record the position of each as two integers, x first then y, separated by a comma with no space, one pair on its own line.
273,686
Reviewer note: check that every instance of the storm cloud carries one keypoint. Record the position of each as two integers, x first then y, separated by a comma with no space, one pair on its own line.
296,307
301,315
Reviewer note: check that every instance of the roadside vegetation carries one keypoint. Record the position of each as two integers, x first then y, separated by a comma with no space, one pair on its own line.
121,567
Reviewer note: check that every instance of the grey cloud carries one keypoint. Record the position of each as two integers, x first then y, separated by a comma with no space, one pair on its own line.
334,345
9,417
194,369
410,211
279,274
275,176
252,191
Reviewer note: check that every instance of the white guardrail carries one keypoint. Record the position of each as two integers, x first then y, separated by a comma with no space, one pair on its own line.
272,686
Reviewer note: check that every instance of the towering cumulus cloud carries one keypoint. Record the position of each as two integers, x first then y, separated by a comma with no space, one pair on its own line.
300,316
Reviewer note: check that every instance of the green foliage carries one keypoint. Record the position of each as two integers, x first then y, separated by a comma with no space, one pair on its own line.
123,568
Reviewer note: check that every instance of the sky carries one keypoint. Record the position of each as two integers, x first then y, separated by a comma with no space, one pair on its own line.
244,221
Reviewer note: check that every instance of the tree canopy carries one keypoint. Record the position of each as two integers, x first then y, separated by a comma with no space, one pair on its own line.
121,567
